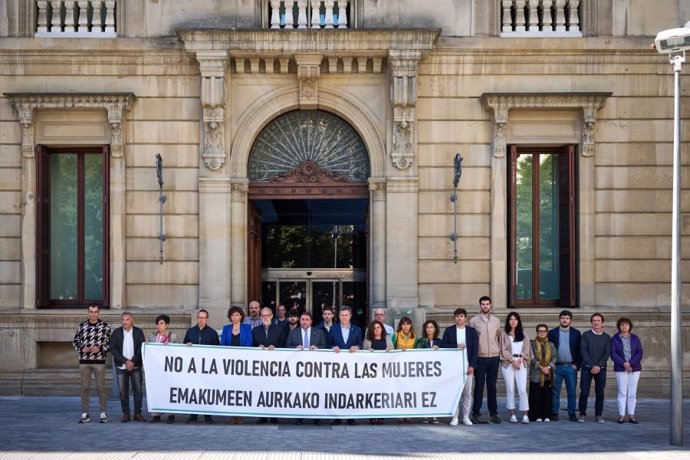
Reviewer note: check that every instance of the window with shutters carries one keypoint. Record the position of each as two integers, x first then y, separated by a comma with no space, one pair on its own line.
542,226
72,227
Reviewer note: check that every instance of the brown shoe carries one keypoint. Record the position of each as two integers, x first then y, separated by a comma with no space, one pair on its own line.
139,418
125,418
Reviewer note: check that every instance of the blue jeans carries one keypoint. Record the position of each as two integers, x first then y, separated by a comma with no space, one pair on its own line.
124,377
599,385
567,373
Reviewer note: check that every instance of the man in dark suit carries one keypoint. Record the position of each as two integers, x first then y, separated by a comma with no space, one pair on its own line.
268,336
347,336
306,337
567,341
125,345
463,337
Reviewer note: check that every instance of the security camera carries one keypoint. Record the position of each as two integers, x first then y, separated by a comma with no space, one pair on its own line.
673,40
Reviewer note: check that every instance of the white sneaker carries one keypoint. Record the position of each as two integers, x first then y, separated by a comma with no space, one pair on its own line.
512,419
546,420
525,419
454,421
466,421
84,418
103,418
539,420
434,421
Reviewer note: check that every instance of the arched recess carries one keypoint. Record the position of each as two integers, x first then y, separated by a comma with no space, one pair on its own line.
257,117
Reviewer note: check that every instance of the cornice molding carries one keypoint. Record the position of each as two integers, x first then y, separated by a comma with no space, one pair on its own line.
114,103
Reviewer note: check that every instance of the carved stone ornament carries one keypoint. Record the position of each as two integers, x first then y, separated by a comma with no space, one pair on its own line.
377,187
502,103
310,172
239,189
308,72
213,65
403,69
114,103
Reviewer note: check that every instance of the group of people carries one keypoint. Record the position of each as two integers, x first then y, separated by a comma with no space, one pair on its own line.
553,357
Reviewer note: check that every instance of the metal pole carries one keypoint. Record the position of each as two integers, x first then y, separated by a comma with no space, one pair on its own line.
676,280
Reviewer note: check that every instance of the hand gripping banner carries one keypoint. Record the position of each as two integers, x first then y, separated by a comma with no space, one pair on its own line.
291,383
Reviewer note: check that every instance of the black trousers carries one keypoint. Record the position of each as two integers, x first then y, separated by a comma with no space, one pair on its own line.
486,371
540,400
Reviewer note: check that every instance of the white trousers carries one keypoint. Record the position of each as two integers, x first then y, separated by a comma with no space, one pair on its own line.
466,398
627,391
515,378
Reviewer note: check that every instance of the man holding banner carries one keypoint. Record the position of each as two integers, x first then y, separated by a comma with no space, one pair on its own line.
201,334
463,337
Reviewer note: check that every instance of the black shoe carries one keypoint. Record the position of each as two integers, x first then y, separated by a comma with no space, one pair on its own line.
351,422
155,419
261,421
554,417
317,422
477,421
171,419
572,417
495,419
208,419
191,419
273,421
336,422
299,421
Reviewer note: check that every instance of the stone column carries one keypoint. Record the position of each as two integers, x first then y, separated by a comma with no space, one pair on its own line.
377,243
401,242
214,247
238,241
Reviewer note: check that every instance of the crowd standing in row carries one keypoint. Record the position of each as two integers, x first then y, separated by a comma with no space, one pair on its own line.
553,357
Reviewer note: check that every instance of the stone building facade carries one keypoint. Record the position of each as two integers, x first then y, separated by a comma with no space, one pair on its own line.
355,110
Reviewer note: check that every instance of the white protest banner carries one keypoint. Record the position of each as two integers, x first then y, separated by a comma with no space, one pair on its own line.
235,381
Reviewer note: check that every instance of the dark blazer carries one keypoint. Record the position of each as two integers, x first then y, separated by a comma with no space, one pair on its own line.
205,336
116,342
450,340
335,337
245,335
276,336
575,337
316,338
618,356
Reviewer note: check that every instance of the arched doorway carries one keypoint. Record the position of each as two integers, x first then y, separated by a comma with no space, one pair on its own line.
308,214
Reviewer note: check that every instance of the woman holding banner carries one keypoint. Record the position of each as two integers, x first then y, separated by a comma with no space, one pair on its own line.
236,334
430,340
377,340
162,335
404,336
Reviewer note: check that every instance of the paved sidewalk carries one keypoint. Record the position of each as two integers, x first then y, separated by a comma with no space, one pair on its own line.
47,428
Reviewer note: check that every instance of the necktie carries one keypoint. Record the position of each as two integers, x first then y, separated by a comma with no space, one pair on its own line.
305,340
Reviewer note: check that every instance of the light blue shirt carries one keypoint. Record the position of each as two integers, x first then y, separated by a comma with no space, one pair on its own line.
346,332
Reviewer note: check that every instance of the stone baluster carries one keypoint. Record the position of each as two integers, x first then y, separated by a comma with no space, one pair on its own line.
329,13
560,16
275,14
342,14
70,23
574,17
520,15
96,20
42,17
547,18
532,15
109,15
301,14
83,23
315,14
507,21
56,20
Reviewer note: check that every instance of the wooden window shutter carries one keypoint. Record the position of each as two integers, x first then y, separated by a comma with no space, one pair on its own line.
567,233
42,228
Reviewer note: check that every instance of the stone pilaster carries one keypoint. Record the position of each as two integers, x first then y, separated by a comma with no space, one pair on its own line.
213,65
403,74
238,241
377,242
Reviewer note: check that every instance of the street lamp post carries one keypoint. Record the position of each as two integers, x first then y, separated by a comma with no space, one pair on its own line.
675,42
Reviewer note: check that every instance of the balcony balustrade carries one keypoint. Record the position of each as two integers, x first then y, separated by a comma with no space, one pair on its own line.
309,14
75,18
541,18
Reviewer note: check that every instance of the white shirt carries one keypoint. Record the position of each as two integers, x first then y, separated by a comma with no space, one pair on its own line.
127,345
461,335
